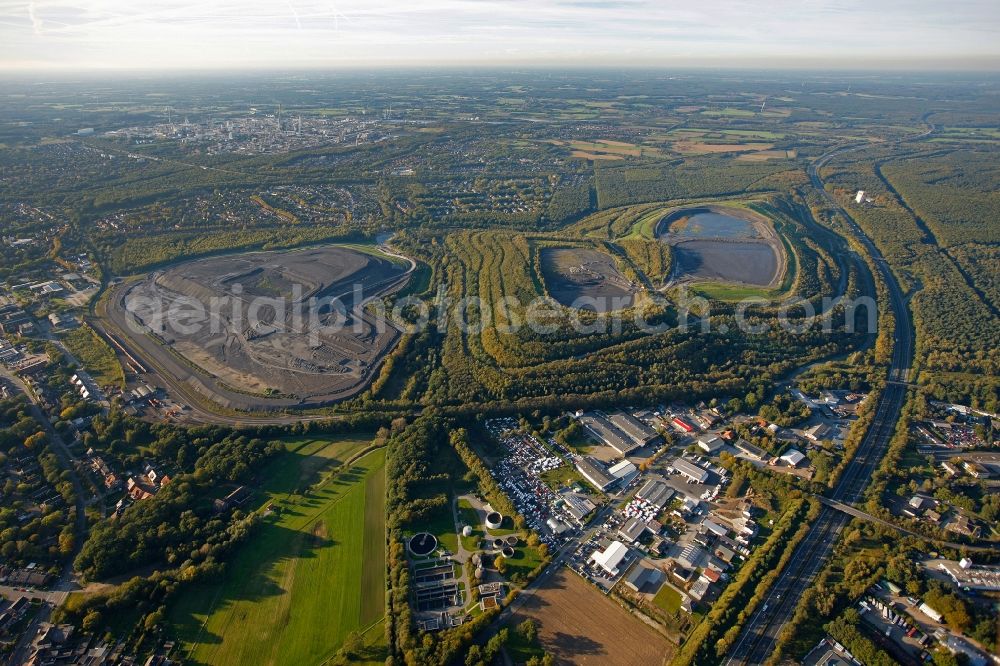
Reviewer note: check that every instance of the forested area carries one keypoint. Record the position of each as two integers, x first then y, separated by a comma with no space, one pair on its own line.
680,179
958,342
982,264
143,253
498,358
177,526
652,257
955,193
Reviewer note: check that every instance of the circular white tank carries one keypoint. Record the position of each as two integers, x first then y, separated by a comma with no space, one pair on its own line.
494,520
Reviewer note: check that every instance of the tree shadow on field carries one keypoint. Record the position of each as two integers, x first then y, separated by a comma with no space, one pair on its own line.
252,575
571,645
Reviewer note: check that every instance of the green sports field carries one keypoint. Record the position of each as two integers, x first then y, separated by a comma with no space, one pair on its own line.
311,573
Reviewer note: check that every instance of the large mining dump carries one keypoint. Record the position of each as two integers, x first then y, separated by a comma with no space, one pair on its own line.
279,325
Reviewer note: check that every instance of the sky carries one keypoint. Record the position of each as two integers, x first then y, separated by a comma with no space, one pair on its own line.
276,34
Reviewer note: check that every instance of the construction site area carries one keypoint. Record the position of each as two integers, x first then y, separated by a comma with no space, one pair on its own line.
263,330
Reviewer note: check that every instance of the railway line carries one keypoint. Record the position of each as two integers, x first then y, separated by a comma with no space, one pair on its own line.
760,634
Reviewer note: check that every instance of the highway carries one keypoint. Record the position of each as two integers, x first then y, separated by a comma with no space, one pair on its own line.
760,633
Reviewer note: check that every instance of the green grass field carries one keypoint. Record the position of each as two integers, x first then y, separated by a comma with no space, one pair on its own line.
561,476
645,226
469,516
310,574
524,561
668,599
720,291
96,356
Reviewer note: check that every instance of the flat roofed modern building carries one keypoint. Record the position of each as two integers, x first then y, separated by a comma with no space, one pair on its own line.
639,432
690,470
641,577
820,432
622,469
691,556
578,506
714,528
605,431
710,444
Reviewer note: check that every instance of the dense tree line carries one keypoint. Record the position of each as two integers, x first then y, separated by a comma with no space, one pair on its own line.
957,336
679,179
845,630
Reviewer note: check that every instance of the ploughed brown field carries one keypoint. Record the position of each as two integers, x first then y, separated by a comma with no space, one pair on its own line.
579,625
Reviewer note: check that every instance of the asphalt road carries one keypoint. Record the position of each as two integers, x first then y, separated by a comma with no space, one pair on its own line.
760,634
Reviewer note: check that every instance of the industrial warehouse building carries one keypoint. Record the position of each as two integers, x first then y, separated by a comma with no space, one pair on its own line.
690,470
793,457
608,433
710,444
656,492
641,577
578,506
638,432
610,558
634,528
594,472
751,450
623,470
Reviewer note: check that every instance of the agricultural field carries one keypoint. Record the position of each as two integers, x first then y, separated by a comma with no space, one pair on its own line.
605,149
312,573
748,145
579,625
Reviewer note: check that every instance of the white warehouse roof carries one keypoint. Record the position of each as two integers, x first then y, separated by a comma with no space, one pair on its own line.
621,469
710,444
793,457
611,557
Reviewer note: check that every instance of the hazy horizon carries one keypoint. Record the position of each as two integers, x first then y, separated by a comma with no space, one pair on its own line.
179,35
